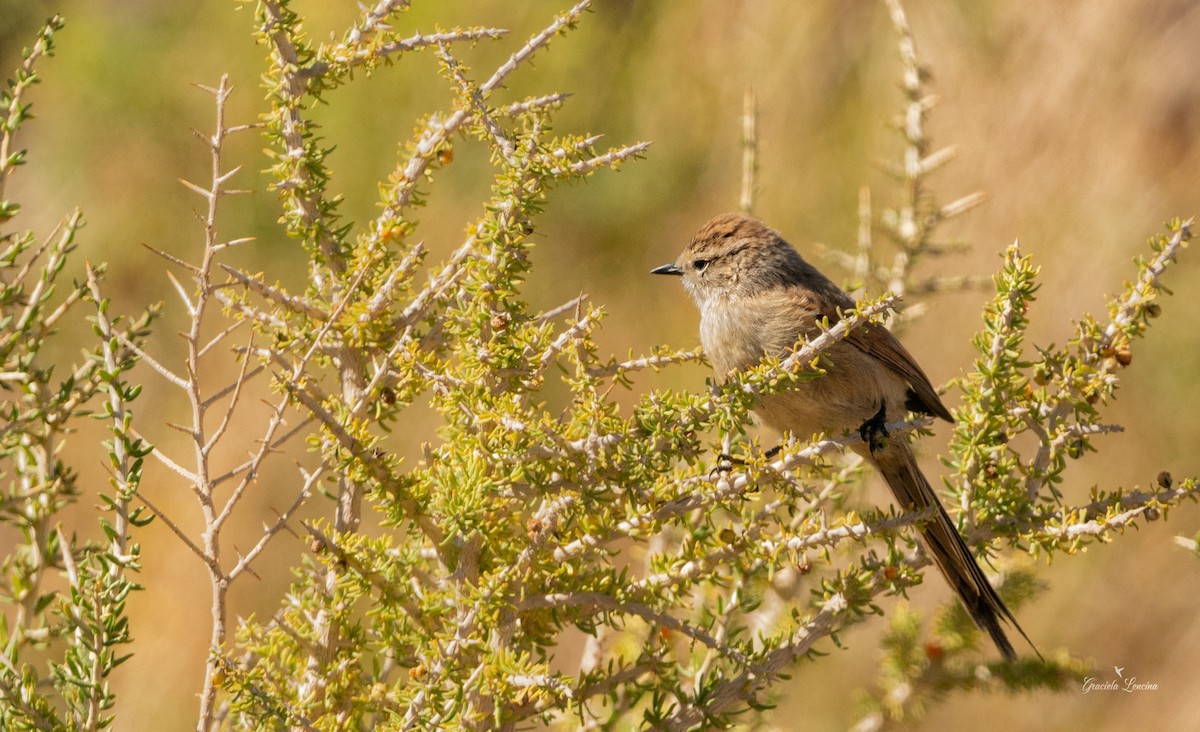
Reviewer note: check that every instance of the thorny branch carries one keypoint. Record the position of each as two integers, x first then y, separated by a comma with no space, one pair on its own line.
203,477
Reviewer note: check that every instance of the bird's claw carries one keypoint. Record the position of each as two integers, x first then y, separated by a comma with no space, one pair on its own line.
874,431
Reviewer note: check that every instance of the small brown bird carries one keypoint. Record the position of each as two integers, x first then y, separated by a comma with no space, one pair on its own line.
758,297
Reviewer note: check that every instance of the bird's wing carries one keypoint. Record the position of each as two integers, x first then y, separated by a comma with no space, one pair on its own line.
879,343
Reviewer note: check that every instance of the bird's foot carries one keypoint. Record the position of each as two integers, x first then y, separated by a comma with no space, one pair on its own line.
874,430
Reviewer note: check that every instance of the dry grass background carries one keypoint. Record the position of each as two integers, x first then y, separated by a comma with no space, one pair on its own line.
1081,121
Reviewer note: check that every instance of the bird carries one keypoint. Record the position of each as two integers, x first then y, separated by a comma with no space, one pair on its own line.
759,298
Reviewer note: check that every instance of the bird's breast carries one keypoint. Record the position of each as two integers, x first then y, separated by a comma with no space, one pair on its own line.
731,336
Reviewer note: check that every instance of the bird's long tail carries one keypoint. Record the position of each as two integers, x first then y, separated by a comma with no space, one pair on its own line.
898,466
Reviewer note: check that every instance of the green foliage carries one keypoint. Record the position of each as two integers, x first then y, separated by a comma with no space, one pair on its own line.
1057,398
62,640
550,505
16,112
919,671
532,514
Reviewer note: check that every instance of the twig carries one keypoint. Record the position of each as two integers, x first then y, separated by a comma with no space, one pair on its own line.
343,58
436,133
749,151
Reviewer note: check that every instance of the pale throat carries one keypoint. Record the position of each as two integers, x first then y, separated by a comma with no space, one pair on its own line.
729,334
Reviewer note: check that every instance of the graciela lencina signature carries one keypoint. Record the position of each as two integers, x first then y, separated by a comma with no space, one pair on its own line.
1121,683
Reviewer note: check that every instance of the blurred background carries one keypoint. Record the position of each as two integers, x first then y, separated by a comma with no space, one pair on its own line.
1080,121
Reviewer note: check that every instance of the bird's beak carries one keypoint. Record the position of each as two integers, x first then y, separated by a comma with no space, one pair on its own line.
667,269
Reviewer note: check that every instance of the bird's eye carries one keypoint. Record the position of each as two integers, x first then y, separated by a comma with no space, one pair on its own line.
700,264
